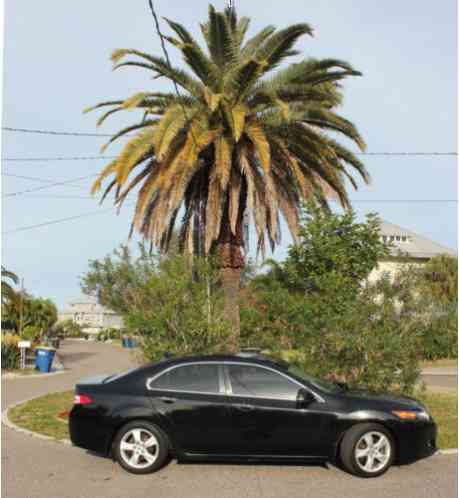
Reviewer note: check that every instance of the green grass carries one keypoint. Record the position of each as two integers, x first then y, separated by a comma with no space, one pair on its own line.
443,408
441,363
41,415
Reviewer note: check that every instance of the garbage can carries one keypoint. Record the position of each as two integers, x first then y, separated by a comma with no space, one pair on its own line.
124,342
44,359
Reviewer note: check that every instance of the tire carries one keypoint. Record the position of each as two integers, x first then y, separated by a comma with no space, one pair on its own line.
367,450
141,447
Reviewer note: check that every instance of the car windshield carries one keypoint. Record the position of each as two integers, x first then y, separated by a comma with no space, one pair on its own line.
325,385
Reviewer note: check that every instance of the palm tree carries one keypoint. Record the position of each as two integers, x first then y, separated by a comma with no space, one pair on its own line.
8,291
240,142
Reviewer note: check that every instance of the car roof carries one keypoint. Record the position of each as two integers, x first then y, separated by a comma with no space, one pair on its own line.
245,358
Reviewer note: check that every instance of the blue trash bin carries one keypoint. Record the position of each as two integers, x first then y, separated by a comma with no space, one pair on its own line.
129,342
44,359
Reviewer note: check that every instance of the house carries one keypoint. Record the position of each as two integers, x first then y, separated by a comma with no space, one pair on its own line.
408,248
92,316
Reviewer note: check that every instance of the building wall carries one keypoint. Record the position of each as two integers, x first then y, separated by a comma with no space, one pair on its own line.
93,316
392,268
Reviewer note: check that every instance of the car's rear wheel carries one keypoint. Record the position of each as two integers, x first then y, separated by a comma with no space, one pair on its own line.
367,450
140,447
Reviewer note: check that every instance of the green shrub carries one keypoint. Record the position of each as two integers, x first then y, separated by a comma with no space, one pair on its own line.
439,336
179,310
10,352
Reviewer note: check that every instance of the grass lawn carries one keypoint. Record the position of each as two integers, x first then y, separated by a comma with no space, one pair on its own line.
41,415
443,408
26,371
444,362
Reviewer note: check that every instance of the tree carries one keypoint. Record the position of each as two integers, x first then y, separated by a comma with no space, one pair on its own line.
332,250
26,310
116,278
8,278
316,309
240,140
174,306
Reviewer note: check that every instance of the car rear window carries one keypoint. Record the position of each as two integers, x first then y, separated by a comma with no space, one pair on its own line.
193,378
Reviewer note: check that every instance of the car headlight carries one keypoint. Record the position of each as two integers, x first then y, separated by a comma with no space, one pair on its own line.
411,414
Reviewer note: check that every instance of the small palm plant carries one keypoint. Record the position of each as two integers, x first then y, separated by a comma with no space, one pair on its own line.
8,278
241,142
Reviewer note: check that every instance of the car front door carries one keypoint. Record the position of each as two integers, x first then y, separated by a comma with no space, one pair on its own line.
266,419
193,400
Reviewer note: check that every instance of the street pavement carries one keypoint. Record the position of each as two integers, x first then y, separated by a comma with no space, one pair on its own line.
34,468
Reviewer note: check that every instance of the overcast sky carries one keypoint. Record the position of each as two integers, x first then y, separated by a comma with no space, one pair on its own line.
57,62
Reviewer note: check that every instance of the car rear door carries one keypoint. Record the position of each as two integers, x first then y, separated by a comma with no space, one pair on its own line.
266,419
192,397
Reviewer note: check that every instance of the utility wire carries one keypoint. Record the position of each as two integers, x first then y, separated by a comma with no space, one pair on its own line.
61,220
65,182
56,158
53,132
83,134
166,55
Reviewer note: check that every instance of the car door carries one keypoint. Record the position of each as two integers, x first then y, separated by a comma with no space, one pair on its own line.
266,419
193,400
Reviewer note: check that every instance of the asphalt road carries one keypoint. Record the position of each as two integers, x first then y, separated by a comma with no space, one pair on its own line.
33,468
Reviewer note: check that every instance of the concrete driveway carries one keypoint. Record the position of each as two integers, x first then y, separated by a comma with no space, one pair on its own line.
33,468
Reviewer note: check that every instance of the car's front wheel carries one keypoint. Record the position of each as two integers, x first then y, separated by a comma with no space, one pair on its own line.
140,447
367,450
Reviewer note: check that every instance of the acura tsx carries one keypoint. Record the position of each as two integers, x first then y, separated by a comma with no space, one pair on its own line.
244,407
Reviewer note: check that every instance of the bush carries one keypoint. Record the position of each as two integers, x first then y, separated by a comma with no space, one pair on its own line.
315,310
439,336
364,344
179,309
10,352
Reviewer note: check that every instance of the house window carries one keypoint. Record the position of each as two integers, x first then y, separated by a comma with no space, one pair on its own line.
397,238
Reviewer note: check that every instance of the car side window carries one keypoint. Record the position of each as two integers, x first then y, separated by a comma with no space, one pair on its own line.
249,380
195,378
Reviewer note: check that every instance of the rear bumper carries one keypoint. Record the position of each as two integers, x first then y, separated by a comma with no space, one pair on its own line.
88,430
416,440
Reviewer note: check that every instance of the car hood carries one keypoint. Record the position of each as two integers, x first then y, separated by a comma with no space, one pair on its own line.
376,398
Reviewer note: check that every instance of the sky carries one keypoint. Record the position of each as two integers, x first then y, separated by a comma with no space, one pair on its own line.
56,63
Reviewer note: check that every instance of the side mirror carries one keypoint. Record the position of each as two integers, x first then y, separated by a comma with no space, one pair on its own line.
304,398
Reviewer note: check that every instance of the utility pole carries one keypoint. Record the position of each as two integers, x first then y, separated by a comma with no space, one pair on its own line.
21,307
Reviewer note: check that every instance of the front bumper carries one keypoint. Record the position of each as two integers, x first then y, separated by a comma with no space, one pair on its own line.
416,440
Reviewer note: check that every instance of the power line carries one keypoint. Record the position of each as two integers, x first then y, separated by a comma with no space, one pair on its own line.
96,158
54,132
65,182
57,196
56,158
166,55
60,220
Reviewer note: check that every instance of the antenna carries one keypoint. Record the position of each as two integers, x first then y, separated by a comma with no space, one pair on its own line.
231,4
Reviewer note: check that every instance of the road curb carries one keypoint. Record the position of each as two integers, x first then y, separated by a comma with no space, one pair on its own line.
8,376
451,451
11,425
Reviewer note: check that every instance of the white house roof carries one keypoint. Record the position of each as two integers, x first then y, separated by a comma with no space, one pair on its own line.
88,302
416,246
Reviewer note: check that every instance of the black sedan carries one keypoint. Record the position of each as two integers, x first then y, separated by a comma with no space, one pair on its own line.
244,407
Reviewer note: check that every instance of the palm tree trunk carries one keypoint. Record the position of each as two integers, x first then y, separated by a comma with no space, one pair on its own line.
230,252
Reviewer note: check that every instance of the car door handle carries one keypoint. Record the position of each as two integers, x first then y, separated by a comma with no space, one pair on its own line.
165,399
245,408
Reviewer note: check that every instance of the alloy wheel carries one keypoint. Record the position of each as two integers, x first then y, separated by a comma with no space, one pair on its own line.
373,452
139,448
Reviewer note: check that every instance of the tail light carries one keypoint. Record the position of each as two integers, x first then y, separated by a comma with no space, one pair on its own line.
82,399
